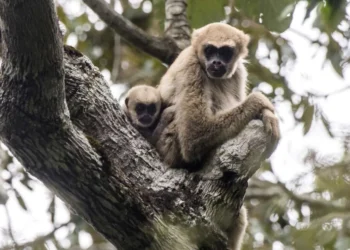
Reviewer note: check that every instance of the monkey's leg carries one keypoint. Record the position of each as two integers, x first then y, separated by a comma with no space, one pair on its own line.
272,128
199,132
238,229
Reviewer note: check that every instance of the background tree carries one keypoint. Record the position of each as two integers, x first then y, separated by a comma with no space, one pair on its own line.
308,211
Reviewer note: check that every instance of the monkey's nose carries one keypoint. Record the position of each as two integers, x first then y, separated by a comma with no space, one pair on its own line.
217,63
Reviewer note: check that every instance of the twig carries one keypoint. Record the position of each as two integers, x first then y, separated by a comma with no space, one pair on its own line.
165,49
312,202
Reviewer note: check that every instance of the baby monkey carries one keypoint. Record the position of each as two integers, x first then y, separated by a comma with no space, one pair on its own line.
143,107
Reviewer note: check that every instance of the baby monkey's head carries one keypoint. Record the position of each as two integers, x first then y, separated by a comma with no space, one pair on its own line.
218,47
142,105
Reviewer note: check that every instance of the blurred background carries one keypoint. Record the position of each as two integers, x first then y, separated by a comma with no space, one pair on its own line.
299,57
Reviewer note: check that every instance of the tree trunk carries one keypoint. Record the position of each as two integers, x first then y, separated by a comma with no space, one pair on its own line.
59,119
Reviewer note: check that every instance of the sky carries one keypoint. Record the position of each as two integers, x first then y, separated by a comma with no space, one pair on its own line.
307,75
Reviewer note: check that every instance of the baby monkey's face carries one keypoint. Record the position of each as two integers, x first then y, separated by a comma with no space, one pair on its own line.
143,105
146,114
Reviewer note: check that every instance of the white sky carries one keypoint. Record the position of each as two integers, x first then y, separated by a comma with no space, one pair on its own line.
308,74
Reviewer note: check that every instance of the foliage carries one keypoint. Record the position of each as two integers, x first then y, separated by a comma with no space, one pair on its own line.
285,216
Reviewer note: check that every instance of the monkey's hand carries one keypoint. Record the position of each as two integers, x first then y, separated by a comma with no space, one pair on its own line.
272,128
166,118
168,114
257,102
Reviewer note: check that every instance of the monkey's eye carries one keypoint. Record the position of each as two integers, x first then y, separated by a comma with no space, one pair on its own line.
209,51
226,53
151,109
140,108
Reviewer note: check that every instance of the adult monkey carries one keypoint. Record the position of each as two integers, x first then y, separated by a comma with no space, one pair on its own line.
206,89
205,92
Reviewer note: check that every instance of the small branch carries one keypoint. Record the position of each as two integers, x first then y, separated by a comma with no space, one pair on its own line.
266,190
165,49
176,23
323,204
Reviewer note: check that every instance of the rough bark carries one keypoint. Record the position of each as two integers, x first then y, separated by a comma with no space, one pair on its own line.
59,119
176,23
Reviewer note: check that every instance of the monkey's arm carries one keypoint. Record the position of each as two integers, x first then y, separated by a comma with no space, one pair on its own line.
166,118
272,128
199,132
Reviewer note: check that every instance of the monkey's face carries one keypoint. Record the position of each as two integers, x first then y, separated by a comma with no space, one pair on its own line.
218,47
143,105
218,60
146,114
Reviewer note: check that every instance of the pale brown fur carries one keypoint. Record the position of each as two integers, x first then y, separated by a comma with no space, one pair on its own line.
210,111
145,95
204,111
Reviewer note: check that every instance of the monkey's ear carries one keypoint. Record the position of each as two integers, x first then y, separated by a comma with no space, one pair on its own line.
126,101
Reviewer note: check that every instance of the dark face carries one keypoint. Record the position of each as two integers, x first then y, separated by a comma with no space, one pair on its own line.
145,113
217,60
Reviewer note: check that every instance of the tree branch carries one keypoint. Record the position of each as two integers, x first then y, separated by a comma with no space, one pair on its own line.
259,189
94,160
165,49
176,23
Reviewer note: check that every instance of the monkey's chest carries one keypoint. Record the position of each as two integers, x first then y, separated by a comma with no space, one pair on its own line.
221,102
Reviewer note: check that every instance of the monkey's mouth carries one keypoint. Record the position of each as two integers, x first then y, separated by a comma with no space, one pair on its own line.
145,120
216,72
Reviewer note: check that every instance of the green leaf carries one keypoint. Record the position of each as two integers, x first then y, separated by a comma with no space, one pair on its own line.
326,125
20,200
52,209
307,118
203,12
342,243
274,15
330,14
334,56
312,4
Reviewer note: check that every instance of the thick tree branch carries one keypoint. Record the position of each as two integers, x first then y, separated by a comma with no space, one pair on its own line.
176,23
95,160
165,49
